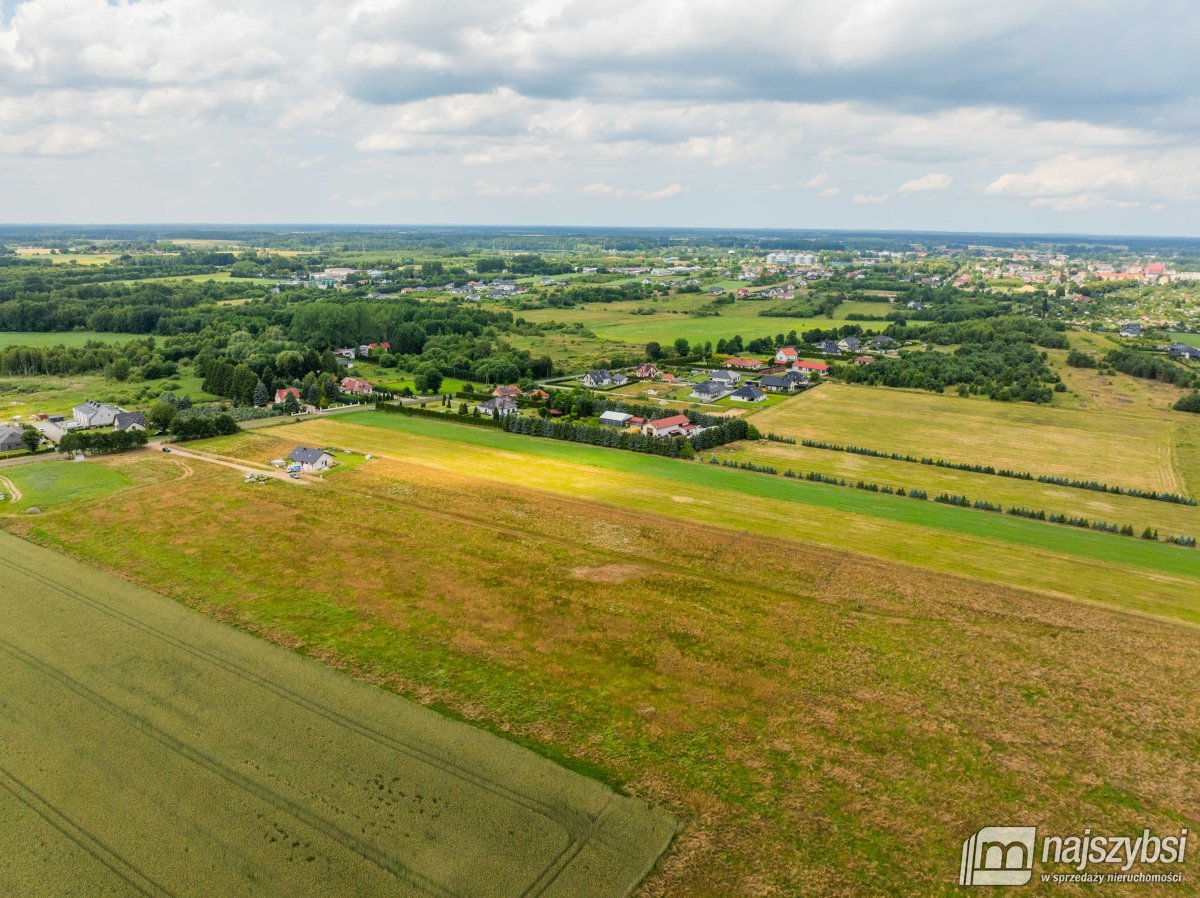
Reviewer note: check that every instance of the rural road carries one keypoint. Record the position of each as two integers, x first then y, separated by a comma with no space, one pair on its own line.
227,462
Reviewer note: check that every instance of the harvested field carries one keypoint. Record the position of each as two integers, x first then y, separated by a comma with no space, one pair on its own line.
149,750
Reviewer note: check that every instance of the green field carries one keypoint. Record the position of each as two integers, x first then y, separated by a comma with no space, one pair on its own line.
669,628
1152,576
669,319
60,338
1142,448
1190,339
150,751
49,484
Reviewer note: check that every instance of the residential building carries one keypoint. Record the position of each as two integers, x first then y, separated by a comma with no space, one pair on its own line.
728,378
748,393
604,378
499,407
773,384
806,365
787,354
282,395
709,391
676,425
129,421
356,386
311,459
646,371
747,364
511,391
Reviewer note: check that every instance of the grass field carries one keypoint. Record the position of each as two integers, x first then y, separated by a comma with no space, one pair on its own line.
61,338
1153,577
52,483
616,321
821,722
30,395
129,767
1190,339
1141,450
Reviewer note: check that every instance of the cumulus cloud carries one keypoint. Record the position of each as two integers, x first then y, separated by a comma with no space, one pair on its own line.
402,102
926,182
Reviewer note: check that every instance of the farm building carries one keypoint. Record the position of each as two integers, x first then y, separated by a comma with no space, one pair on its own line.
10,438
311,459
615,419
95,414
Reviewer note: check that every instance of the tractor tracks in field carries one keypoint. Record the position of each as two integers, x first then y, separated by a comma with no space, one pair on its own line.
580,828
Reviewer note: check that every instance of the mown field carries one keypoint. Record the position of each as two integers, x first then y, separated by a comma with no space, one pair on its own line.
152,751
669,319
60,338
1142,449
58,394
822,722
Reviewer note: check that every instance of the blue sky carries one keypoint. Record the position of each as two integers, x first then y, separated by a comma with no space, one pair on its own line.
950,114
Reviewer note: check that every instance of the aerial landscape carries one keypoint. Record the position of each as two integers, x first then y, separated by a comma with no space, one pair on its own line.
519,478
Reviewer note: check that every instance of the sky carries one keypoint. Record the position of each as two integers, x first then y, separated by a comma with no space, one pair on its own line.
1073,116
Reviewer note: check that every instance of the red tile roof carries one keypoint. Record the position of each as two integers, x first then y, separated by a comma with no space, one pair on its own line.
673,421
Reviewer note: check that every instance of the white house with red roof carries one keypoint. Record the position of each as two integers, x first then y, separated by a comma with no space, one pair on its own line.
356,386
787,354
674,426
282,395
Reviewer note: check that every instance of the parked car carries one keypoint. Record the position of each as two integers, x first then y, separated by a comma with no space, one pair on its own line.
166,448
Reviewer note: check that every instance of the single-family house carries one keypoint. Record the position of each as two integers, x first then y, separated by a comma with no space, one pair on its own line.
538,394
355,386
882,342
799,378
511,391
383,346
829,347
95,414
728,378
311,459
604,378
282,395
748,393
787,354
915,304
668,378
709,391
615,419
499,407
346,353
646,371
849,344
1131,330
806,365
10,438
773,384
1184,351
129,421
747,364
676,425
